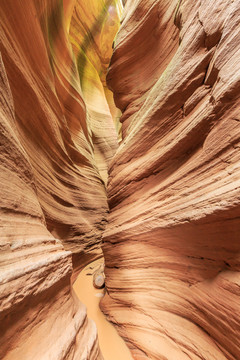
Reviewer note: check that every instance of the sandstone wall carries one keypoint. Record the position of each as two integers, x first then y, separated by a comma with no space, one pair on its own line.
172,243
53,197
53,122
39,317
172,246
92,30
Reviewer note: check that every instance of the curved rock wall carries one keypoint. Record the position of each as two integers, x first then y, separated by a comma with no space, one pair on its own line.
53,122
39,317
51,184
93,27
171,246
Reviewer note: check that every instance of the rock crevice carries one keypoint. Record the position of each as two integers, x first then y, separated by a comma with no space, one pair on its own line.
167,198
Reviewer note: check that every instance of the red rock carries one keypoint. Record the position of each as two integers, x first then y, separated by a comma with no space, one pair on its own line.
53,197
172,245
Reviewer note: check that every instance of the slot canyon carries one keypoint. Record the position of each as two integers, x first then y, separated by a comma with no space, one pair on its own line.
120,146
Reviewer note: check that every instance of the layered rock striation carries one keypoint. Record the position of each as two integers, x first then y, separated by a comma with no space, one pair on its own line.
171,246
53,197
40,319
53,120
92,30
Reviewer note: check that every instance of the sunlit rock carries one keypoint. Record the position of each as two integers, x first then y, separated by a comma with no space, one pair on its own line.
171,246
53,197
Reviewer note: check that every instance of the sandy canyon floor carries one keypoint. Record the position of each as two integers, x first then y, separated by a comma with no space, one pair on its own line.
111,344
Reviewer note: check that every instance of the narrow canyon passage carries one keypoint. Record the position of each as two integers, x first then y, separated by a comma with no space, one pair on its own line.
119,139
110,343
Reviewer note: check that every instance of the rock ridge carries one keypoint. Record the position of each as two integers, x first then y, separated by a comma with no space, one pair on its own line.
171,245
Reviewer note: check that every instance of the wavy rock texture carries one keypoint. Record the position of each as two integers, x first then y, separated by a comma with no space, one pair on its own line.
92,30
35,270
53,197
172,247
53,122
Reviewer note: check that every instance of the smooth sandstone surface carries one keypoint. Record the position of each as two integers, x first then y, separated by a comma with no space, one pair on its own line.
92,30
172,243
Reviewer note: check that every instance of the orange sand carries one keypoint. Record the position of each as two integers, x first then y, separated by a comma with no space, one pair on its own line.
111,344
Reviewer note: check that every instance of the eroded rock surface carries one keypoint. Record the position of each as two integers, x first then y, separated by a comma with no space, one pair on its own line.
53,197
39,317
172,243
53,120
172,249
99,278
